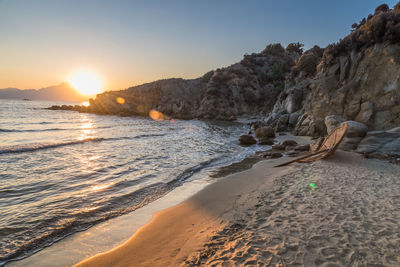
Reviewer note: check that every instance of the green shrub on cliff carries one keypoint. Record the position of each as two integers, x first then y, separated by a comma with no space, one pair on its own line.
274,50
278,71
383,26
295,47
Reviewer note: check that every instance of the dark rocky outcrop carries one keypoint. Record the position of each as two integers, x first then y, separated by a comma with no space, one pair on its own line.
248,87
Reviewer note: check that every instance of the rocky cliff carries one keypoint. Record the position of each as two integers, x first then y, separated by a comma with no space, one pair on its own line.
248,87
357,79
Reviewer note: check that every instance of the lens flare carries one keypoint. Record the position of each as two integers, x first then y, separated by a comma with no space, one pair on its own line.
120,100
157,115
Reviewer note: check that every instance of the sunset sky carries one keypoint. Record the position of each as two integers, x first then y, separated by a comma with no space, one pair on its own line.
130,42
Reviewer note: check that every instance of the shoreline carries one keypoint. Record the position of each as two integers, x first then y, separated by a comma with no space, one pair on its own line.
339,211
106,235
109,234
175,232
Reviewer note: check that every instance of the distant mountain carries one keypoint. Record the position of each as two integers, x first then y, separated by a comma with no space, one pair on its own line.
61,92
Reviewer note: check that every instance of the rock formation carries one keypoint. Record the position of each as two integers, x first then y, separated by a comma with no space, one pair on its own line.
310,93
248,87
357,79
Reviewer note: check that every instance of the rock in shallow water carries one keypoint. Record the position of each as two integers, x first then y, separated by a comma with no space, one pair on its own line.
278,147
265,141
247,140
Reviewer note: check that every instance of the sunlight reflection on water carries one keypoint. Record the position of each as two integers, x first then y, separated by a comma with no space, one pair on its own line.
74,185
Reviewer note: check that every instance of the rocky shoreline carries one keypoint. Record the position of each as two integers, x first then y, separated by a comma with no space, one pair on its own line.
305,93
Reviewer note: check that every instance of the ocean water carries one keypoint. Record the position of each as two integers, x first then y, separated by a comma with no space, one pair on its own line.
62,171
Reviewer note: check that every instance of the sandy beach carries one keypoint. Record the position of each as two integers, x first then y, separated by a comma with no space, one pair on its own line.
337,212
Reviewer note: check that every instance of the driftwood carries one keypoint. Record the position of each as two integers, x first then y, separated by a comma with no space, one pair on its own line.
325,149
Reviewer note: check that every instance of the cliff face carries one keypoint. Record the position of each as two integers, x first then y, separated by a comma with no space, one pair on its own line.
357,79
248,87
362,86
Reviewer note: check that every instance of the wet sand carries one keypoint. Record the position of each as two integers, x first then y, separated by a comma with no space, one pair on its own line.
337,212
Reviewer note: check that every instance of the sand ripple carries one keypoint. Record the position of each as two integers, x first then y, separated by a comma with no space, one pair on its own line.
343,211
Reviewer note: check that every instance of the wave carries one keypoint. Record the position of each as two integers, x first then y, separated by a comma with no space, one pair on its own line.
49,130
133,137
186,174
34,147
115,206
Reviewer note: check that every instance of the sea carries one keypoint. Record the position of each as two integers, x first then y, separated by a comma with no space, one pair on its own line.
62,171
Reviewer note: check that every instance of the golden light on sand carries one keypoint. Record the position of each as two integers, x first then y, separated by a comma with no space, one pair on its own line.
86,82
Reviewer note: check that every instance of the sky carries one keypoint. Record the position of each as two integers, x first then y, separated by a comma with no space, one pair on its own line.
132,42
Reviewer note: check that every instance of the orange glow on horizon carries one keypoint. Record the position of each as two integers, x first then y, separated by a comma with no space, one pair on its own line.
85,103
86,82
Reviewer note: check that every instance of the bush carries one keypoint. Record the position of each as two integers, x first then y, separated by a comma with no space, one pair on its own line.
278,71
382,8
383,26
206,77
274,50
308,61
295,47
396,7
220,78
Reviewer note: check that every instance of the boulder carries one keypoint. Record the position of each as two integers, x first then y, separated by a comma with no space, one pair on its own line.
382,142
356,129
247,140
366,112
333,121
316,128
293,100
289,143
272,155
282,123
302,147
265,132
265,141
293,118
349,143
276,155
278,147
291,153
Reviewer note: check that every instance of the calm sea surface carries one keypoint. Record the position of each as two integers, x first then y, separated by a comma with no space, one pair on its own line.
62,171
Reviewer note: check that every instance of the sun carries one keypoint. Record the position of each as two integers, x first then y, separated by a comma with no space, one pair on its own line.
86,82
